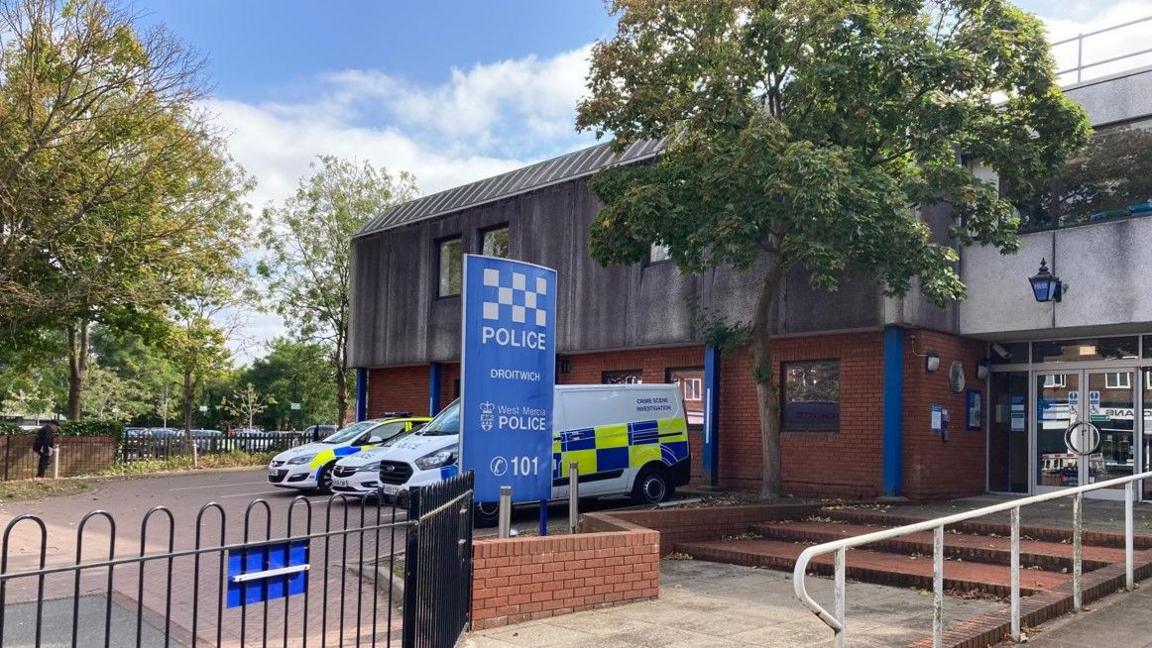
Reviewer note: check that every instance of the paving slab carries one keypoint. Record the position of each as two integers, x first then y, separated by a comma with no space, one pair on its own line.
705,604
1121,620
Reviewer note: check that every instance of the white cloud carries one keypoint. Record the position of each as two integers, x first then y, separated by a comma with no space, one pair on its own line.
480,122
1066,20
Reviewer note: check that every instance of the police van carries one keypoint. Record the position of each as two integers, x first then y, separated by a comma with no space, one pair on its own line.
626,440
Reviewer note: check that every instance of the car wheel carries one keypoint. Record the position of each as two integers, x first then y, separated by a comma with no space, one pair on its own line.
487,515
652,486
324,480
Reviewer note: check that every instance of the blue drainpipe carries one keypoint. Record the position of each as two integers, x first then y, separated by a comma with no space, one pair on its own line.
711,446
433,388
361,393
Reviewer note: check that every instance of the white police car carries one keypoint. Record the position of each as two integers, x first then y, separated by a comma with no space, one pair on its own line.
309,467
424,457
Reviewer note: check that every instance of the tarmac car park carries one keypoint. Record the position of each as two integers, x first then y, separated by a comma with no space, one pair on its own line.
309,467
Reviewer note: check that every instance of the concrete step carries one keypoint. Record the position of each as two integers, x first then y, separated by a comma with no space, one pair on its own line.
1050,556
875,517
877,567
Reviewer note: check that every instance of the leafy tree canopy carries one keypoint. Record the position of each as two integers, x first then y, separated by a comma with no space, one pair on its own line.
309,260
814,131
810,134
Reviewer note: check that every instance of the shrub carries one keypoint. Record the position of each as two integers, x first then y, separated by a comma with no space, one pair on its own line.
92,427
7,429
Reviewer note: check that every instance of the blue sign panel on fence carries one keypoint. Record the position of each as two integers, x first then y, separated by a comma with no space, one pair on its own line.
508,377
267,571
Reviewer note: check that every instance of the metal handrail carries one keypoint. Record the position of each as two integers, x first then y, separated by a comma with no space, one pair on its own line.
1079,40
835,620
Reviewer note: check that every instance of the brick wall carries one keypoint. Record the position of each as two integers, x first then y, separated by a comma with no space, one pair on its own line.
847,463
691,525
520,579
398,389
933,468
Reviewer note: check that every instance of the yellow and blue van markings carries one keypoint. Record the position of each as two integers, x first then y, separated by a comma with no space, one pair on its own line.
620,446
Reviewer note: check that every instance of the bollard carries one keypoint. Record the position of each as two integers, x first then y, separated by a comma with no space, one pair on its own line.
573,496
56,462
504,514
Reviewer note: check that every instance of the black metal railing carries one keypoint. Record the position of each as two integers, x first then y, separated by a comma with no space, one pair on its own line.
438,575
289,571
292,572
144,447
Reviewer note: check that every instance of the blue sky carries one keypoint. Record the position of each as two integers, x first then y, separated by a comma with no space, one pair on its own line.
450,90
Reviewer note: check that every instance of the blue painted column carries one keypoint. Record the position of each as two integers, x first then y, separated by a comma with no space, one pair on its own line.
711,451
433,389
361,393
893,410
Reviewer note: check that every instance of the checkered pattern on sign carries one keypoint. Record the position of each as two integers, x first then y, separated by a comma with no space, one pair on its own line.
515,300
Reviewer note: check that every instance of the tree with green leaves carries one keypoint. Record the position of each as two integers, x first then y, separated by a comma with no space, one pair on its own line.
809,135
309,260
116,194
287,372
246,403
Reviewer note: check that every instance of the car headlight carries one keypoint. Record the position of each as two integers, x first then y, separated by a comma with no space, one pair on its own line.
444,457
371,467
296,461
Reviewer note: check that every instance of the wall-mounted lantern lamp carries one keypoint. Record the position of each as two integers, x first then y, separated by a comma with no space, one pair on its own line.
931,361
1046,287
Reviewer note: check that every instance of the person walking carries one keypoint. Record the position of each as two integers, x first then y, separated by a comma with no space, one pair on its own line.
45,446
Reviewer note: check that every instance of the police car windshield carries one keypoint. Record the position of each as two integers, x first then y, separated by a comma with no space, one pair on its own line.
446,422
351,432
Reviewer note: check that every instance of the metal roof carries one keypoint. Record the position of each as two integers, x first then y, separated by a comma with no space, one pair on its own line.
534,176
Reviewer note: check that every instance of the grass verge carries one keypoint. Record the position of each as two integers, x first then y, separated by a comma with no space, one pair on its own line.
32,489
184,462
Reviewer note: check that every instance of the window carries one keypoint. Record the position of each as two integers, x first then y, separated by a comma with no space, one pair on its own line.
625,377
1118,380
494,242
1055,380
811,398
658,253
691,382
451,267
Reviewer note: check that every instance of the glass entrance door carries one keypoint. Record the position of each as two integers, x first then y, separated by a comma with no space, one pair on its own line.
1104,398
1057,408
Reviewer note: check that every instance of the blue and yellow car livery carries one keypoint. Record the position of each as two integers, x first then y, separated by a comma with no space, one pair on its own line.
310,466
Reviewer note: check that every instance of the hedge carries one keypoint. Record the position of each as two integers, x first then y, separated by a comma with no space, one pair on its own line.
86,427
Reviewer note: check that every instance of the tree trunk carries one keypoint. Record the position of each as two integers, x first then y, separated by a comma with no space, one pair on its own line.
764,372
189,396
341,396
78,341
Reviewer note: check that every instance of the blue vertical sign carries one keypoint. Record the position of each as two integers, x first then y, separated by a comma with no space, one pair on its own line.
508,370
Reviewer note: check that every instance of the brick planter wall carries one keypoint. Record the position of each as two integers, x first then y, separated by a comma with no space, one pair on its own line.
521,579
692,525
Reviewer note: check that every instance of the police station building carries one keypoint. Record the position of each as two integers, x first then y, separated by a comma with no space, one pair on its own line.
879,395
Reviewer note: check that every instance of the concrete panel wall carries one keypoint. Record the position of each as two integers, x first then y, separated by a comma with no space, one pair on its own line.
396,318
1104,265
1117,98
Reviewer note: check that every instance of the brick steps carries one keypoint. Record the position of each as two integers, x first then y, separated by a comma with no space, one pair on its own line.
878,567
1050,556
986,528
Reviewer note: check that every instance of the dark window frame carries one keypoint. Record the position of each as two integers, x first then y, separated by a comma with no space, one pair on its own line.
485,231
439,246
620,372
783,389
